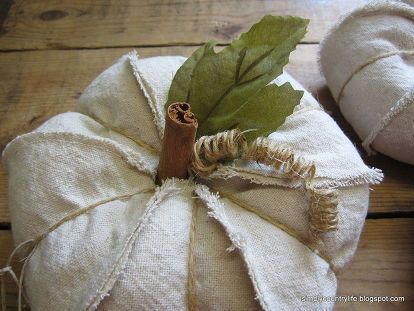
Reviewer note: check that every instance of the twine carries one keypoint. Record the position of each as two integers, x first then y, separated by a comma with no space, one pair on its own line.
323,215
19,281
281,158
398,107
229,145
210,150
369,62
35,242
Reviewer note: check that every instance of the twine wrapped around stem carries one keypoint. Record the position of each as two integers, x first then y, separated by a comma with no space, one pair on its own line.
210,150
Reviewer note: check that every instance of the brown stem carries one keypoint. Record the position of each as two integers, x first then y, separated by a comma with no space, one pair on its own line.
177,145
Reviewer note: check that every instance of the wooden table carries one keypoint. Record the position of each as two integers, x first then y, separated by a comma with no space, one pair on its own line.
51,50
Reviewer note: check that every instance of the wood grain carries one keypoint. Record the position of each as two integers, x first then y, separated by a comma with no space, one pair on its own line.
39,84
61,24
383,265
51,50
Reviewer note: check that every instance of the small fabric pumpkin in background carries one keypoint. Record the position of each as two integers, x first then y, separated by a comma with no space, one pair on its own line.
266,227
368,62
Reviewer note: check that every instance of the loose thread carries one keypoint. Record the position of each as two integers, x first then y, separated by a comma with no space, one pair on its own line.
26,260
9,269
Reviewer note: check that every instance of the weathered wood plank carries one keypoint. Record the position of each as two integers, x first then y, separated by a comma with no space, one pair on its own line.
6,247
383,265
81,23
4,211
39,84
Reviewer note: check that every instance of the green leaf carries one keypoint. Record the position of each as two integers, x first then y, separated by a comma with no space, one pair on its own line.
263,112
180,86
231,84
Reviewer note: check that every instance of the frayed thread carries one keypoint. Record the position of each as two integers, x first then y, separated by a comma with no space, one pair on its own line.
403,103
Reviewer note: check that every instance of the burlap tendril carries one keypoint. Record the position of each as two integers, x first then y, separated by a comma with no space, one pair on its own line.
209,151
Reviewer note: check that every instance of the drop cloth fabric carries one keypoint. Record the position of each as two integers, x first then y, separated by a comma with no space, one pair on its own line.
368,62
107,238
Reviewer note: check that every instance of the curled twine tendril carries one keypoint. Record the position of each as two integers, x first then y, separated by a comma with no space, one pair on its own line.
209,151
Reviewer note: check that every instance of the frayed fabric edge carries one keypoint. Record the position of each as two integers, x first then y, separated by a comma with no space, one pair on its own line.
211,200
371,176
159,119
216,211
169,187
403,103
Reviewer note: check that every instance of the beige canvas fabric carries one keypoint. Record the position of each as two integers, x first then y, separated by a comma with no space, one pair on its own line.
368,62
104,236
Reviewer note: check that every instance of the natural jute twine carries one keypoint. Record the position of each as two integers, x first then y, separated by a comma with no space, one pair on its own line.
209,151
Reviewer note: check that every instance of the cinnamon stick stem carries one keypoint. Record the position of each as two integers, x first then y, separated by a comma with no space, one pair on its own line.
177,146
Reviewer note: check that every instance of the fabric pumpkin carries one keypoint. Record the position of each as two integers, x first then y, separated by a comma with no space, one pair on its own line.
368,62
104,236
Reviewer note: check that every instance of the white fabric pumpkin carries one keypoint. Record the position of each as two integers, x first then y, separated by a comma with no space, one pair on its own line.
178,246
368,62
